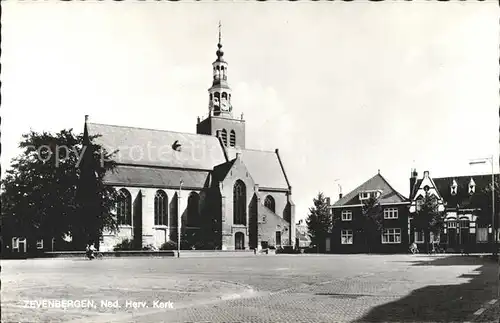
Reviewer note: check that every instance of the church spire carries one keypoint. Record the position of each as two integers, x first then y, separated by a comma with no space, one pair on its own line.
220,121
220,38
220,52
220,92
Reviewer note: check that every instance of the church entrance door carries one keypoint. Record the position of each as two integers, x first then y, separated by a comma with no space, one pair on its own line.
239,241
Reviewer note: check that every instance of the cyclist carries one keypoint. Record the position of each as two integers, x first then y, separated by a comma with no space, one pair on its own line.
413,248
90,250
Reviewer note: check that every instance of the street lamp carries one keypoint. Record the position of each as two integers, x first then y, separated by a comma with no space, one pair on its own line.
483,161
179,213
493,230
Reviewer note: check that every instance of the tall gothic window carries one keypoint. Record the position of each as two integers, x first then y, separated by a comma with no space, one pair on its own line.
232,138
161,208
269,203
123,207
224,136
239,203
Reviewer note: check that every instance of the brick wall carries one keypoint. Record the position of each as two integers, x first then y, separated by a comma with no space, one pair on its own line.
359,244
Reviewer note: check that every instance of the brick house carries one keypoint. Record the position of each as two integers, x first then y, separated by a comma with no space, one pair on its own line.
347,233
467,218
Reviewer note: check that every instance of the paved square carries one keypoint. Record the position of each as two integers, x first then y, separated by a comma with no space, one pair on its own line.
262,288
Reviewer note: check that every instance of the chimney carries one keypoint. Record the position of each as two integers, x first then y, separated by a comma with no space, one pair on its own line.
340,196
413,181
328,201
198,119
86,117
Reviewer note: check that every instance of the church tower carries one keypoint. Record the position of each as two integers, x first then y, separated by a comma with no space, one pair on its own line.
220,118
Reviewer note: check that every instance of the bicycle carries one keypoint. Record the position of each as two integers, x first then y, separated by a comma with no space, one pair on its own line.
94,255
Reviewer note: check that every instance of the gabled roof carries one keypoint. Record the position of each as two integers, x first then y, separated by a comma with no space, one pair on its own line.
141,176
220,171
426,183
149,147
264,166
463,198
377,182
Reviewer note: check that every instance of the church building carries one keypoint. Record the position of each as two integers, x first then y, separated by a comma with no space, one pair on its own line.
225,195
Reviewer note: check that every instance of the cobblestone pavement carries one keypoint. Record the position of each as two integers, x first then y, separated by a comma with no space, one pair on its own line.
281,288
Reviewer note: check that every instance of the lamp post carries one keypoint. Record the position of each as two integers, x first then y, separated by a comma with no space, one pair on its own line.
493,230
483,161
179,218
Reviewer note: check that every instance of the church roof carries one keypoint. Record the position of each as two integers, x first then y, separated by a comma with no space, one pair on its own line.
146,176
153,158
377,182
264,166
149,147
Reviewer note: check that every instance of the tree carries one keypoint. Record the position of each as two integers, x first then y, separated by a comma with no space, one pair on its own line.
95,199
428,218
319,222
40,191
372,221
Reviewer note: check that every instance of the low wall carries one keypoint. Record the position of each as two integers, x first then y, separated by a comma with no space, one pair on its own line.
124,253
220,253
148,253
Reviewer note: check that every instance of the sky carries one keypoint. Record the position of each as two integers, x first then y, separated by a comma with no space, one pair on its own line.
343,89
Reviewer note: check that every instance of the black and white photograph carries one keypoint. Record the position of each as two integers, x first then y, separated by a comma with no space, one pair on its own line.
250,161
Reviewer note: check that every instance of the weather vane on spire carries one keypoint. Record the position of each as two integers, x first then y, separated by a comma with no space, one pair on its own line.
220,27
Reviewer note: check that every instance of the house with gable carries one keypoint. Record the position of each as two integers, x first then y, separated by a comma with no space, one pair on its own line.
466,207
348,233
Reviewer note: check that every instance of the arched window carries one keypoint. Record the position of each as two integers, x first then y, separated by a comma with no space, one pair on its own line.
217,95
222,68
161,208
224,95
239,241
232,138
239,203
123,207
224,136
193,210
269,203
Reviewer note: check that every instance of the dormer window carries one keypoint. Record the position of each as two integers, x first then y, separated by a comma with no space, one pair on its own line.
366,195
454,187
472,186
